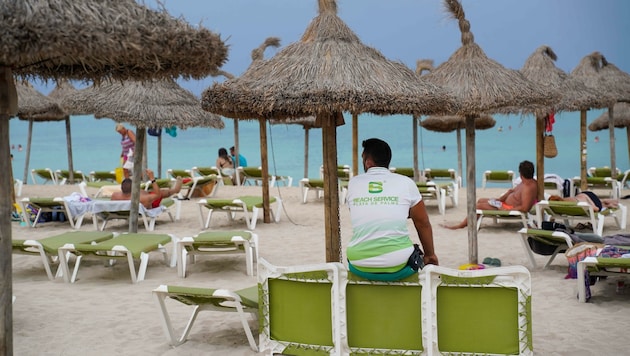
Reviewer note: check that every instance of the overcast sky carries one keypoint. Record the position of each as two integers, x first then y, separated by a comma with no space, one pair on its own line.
408,30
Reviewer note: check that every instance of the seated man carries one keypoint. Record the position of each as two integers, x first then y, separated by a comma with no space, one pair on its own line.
150,199
521,198
380,204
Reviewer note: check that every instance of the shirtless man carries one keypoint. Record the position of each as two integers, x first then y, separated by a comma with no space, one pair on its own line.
521,198
148,199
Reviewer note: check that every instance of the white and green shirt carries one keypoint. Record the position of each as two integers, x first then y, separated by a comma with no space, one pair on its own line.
379,203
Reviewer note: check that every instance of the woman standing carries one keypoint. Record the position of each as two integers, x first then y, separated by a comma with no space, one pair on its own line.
128,143
225,164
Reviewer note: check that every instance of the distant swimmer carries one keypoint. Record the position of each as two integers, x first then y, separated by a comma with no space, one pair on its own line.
443,148
500,129
596,139
20,148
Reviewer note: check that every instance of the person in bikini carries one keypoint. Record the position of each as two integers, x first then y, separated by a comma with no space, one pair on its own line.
150,199
591,198
521,198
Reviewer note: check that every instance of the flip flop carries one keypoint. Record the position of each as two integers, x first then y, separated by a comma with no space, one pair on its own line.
496,262
487,261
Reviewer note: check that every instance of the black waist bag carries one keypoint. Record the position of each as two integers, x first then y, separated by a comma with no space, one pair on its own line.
416,260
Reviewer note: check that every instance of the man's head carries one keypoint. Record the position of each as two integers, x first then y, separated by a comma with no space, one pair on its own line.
376,153
125,186
232,150
526,169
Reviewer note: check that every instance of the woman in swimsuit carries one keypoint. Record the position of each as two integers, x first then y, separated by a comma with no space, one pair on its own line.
224,163
586,196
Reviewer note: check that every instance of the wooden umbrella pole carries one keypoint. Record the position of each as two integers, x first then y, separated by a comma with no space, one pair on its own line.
159,154
306,129
136,179
628,141
471,191
29,140
237,151
265,168
355,144
540,158
583,152
331,188
460,167
69,143
414,128
613,155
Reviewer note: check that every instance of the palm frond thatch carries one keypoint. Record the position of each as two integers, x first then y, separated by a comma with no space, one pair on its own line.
451,123
151,103
88,39
35,106
621,118
327,70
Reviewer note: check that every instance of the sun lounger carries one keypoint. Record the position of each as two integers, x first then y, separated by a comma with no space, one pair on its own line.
600,266
105,210
218,243
253,176
64,175
103,176
243,302
48,247
557,242
442,175
501,216
127,246
56,205
194,182
244,204
44,173
207,171
571,211
602,184
430,191
311,184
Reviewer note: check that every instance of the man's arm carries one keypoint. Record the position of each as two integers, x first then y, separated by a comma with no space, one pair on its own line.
506,195
528,196
420,218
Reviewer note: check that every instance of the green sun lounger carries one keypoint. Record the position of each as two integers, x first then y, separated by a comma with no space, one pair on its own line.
248,205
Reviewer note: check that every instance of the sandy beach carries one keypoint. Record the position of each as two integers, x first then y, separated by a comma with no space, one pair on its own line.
103,313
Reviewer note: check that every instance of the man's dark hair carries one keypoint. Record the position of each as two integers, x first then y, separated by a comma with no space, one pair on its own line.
232,148
125,186
378,150
526,169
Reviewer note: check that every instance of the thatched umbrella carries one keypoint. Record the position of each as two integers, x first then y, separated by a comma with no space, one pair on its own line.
144,104
86,40
621,119
612,84
481,85
452,123
328,71
307,124
540,68
35,106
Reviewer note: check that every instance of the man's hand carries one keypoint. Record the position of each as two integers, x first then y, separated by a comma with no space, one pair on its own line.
430,260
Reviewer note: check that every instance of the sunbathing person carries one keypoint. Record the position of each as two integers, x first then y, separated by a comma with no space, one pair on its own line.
586,196
150,199
522,197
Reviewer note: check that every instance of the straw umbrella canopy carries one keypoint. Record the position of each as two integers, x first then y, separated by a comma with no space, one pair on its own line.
86,40
328,71
307,123
450,123
621,119
540,68
612,84
481,85
157,103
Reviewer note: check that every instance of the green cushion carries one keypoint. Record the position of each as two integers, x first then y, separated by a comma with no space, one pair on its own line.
220,236
478,319
300,311
179,173
253,172
386,316
405,171
316,183
439,173
499,175
206,171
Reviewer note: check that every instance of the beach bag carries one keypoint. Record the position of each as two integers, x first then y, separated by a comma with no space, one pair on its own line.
129,162
550,149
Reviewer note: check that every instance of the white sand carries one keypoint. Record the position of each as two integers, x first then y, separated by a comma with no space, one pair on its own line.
104,313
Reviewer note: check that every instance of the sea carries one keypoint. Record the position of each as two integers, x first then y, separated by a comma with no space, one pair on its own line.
96,145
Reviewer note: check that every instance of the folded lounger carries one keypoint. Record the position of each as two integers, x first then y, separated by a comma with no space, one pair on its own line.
243,204
47,248
216,243
105,210
311,184
431,191
243,301
63,175
128,246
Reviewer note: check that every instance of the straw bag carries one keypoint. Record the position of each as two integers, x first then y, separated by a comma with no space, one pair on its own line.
549,144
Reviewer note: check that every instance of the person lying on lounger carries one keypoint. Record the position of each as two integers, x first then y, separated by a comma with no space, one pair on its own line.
521,198
596,202
150,199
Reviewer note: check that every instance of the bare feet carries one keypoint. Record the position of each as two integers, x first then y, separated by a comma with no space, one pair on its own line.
178,185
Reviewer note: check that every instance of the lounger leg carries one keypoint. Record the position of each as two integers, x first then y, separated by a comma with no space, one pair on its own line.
144,261
75,271
167,326
528,251
182,254
278,210
251,222
248,331
249,256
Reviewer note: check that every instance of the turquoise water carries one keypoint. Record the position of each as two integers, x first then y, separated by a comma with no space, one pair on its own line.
96,146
